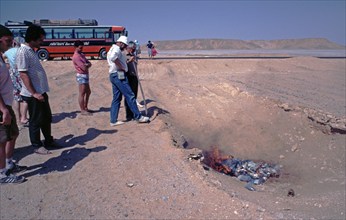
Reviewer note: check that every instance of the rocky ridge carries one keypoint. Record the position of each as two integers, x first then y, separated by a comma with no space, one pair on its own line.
234,44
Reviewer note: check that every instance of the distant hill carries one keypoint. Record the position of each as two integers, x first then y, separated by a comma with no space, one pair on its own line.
225,44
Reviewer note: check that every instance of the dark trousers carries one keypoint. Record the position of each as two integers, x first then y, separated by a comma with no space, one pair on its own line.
40,119
133,82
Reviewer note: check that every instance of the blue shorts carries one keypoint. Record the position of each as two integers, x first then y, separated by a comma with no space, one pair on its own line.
82,79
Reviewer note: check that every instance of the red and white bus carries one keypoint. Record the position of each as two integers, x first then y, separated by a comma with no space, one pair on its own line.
60,38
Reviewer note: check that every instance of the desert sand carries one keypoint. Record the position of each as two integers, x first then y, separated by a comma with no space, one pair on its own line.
289,112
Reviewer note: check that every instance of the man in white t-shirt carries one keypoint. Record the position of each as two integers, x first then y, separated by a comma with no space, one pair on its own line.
34,90
120,85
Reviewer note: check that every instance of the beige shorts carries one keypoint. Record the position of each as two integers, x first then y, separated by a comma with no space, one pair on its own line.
8,132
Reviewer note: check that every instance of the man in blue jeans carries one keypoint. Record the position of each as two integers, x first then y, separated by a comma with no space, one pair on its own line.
120,85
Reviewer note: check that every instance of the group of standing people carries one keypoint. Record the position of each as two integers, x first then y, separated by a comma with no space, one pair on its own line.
122,61
152,52
34,87
30,86
122,72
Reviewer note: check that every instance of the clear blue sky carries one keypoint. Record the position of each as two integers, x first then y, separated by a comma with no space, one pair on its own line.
184,19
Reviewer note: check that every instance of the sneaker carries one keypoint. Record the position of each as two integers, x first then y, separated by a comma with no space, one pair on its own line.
42,151
117,123
143,119
11,179
16,168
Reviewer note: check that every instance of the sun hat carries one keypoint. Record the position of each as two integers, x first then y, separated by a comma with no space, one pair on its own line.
122,39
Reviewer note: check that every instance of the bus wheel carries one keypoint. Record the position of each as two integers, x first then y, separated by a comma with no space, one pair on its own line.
103,54
43,54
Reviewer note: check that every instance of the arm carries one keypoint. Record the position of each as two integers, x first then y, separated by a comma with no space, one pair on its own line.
23,66
118,63
80,63
6,116
6,60
27,82
114,57
88,64
132,59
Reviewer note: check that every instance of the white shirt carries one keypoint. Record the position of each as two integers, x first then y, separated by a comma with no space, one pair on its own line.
27,61
113,54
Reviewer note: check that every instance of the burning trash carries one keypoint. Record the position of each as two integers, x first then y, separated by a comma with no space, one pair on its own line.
245,170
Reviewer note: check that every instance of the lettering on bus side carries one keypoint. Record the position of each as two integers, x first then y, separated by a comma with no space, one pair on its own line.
66,43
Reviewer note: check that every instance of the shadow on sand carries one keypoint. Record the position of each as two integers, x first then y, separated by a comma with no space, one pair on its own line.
154,111
64,162
57,117
65,142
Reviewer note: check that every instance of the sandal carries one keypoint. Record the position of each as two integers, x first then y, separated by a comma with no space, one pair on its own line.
42,151
86,113
25,124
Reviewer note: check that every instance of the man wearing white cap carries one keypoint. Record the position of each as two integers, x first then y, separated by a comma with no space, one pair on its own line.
117,68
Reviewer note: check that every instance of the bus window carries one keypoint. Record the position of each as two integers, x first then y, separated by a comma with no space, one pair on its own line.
62,33
18,32
48,33
109,35
22,33
83,33
101,33
116,36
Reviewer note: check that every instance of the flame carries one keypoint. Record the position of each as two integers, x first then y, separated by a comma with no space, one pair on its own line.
214,158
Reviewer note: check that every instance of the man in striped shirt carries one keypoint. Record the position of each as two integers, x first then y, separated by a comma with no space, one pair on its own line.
34,90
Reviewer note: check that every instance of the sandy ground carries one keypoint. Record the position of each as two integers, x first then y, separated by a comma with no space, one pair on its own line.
286,111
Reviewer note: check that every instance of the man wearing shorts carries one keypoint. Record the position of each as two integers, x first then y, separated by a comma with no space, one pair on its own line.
8,125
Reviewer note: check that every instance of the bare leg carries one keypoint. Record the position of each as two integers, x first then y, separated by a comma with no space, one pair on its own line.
81,100
10,147
87,95
16,109
2,156
23,106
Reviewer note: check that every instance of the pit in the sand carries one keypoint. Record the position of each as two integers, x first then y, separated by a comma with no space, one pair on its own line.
251,172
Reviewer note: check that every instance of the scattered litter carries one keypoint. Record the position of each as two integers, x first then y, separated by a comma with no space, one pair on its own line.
290,193
198,156
245,170
294,148
130,184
